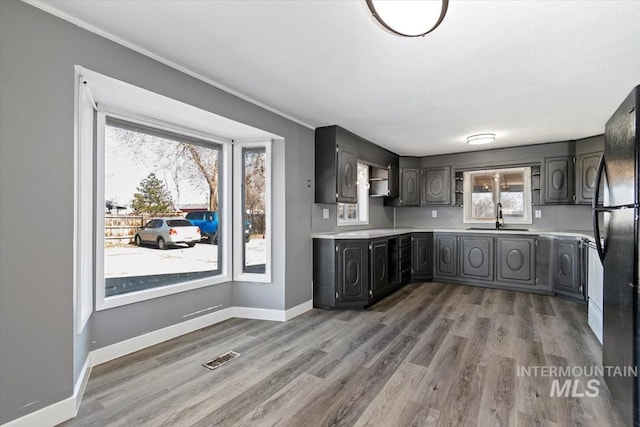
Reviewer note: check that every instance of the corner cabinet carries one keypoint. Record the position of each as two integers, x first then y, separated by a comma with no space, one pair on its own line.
436,186
559,180
567,261
586,169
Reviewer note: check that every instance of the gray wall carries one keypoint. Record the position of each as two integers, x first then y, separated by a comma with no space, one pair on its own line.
37,57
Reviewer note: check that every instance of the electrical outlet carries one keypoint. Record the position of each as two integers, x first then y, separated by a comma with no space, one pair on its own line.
434,214
325,213
538,213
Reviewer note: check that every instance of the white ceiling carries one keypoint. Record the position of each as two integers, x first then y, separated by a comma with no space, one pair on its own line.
529,71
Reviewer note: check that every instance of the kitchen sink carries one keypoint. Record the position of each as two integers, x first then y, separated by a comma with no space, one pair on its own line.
498,229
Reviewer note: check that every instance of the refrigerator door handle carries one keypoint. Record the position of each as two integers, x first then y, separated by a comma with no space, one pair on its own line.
596,209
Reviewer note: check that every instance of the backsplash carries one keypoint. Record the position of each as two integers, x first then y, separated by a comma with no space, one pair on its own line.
558,218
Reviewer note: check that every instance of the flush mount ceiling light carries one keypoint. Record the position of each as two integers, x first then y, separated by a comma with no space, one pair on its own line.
481,138
409,18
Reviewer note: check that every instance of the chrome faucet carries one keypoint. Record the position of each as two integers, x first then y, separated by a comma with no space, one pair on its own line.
499,218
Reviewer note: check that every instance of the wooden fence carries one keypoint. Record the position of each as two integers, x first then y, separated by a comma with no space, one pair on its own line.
120,229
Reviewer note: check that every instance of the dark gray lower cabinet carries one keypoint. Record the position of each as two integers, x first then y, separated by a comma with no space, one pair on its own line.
446,256
379,263
566,270
340,273
476,257
422,256
516,260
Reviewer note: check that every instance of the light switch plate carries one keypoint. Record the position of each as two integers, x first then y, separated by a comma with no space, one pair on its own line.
325,213
538,213
434,214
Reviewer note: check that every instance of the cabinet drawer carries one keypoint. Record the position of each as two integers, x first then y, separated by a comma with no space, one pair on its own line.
404,252
405,240
405,264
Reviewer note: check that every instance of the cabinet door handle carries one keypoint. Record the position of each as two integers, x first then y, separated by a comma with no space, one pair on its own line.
337,296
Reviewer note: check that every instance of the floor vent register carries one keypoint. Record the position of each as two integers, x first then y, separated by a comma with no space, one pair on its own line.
221,360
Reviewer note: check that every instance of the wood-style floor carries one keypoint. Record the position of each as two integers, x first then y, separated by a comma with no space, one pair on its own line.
430,354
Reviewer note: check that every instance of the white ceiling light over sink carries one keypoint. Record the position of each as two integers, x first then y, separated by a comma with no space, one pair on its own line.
409,18
481,138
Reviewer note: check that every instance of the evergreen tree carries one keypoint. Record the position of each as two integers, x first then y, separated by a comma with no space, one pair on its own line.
152,196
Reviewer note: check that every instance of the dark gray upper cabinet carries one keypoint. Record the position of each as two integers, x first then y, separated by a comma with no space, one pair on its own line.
352,271
586,168
558,180
394,181
476,257
436,186
567,263
379,266
347,176
337,152
516,263
422,256
410,187
446,255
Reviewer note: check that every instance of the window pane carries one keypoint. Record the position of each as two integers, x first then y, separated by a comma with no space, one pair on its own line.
482,204
349,213
254,207
155,179
512,194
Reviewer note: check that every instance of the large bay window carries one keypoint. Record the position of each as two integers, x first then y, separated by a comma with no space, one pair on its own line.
155,197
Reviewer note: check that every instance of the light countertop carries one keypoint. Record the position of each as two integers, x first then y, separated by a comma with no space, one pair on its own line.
375,233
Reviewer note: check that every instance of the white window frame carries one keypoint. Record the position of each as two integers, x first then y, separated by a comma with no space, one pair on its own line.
362,205
238,216
103,302
83,247
468,190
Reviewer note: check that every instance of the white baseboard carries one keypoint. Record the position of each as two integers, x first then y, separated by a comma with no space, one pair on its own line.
298,310
48,416
81,385
68,408
134,344
270,314
60,411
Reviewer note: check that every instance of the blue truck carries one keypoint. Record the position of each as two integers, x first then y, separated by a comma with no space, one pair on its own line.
208,223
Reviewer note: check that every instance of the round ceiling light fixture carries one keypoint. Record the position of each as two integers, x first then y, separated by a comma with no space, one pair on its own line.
481,138
409,18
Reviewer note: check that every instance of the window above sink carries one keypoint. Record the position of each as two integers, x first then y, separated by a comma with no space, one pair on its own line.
484,189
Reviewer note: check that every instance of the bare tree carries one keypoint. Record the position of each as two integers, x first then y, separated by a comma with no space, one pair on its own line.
254,184
182,160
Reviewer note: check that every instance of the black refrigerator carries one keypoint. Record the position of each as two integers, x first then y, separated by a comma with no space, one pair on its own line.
615,223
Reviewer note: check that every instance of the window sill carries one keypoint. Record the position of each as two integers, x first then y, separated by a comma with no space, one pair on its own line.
350,223
148,294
